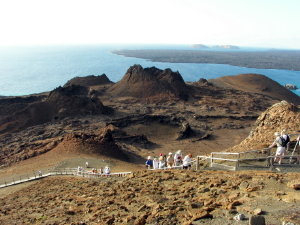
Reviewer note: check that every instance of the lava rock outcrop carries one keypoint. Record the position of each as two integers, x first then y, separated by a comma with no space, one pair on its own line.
139,82
89,81
280,116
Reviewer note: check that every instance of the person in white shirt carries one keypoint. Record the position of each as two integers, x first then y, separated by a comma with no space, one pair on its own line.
155,163
187,162
178,158
280,149
107,170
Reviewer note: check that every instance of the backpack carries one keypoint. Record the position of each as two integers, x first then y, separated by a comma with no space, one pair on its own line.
285,142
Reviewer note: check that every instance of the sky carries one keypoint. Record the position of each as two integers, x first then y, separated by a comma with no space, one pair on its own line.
251,23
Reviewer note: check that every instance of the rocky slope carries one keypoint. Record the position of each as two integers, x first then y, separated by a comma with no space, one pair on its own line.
60,103
150,83
157,197
281,116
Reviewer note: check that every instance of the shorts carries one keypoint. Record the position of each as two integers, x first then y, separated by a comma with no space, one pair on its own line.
280,150
185,167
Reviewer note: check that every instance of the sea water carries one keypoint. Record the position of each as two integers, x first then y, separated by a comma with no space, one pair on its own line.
34,69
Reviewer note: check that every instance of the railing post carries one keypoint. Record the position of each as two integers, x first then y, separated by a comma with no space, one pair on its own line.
237,162
269,159
271,162
211,159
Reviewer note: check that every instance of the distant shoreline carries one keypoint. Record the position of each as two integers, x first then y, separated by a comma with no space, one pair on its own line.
286,60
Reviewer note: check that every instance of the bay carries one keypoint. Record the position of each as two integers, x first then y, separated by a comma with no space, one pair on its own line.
34,69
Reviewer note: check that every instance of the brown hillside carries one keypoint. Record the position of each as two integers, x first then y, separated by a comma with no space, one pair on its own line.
61,103
71,137
280,116
139,82
256,83
75,100
89,81
102,144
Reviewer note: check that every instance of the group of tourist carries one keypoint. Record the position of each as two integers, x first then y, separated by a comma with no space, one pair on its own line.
170,161
104,171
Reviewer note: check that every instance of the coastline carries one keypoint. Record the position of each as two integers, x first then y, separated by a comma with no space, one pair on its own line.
44,69
286,60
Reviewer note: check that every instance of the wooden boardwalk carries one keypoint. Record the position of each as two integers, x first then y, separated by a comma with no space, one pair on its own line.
62,171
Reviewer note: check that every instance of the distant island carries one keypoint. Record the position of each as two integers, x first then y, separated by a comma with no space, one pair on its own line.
201,46
275,59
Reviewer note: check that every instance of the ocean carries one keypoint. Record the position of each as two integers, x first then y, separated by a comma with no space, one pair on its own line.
34,69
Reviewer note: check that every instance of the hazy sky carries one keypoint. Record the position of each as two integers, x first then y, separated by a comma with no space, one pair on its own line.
257,23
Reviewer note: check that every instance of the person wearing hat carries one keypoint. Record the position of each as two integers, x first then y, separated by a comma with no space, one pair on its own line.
178,158
149,162
155,163
280,149
170,160
161,161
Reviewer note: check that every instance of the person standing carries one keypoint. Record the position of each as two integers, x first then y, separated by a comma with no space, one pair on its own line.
298,151
178,158
149,162
286,140
170,160
187,162
155,163
107,170
101,170
161,161
280,149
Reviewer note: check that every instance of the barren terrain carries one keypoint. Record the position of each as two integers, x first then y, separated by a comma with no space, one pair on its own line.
120,125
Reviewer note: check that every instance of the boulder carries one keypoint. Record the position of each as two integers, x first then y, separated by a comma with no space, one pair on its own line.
257,220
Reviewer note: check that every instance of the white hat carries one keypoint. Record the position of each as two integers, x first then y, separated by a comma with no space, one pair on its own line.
149,157
170,153
277,134
179,152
